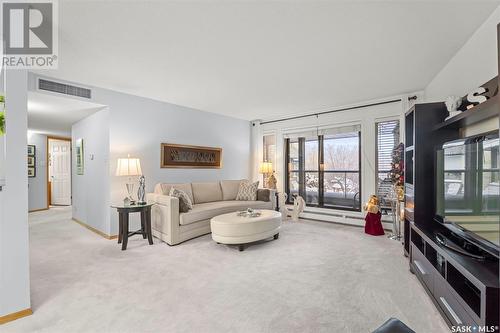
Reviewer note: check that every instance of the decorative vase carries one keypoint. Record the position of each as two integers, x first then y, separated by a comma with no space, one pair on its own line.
141,192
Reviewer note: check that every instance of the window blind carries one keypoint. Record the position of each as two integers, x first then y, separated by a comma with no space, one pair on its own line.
387,139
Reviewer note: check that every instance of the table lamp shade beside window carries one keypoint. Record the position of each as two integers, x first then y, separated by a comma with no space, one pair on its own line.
266,168
129,167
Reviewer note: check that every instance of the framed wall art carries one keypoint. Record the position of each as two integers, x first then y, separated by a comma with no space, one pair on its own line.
31,150
79,157
190,157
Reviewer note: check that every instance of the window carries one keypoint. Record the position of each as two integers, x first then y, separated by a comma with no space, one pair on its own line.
324,168
269,150
387,139
342,170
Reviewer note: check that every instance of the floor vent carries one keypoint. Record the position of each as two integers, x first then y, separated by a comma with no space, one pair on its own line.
64,88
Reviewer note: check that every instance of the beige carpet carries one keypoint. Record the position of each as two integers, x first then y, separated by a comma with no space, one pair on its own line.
317,277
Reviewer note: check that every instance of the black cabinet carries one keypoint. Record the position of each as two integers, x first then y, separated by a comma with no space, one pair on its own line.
465,290
420,143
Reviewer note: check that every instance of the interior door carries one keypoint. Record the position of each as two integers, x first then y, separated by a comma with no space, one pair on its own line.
60,171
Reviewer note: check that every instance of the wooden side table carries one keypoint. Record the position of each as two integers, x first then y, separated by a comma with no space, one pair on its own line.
123,220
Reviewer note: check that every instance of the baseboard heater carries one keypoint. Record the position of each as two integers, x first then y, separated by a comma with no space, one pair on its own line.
358,221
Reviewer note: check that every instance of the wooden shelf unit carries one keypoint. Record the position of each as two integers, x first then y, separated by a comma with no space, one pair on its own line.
465,291
421,141
479,113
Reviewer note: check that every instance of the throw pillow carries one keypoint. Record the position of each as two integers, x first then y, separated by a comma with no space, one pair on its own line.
185,204
247,191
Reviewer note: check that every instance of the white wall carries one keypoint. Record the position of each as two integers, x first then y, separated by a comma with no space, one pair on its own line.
140,125
474,64
14,247
137,126
91,191
37,186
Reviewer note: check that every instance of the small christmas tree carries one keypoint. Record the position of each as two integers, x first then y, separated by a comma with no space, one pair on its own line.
397,165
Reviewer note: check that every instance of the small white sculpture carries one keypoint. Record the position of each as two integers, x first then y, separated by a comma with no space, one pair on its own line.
452,104
282,204
298,207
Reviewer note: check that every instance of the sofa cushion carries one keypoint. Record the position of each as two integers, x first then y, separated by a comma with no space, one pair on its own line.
264,194
185,204
186,187
206,192
247,191
206,211
230,189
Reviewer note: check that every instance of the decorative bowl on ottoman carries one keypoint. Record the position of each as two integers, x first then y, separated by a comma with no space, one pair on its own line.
240,229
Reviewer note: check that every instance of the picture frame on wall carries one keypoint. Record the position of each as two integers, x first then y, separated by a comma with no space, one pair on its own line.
190,157
79,157
31,150
31,172
31,161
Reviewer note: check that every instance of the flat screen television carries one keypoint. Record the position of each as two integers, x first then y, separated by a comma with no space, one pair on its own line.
468,190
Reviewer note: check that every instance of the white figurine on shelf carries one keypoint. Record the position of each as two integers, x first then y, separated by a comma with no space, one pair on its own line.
282,204
298,207
452,104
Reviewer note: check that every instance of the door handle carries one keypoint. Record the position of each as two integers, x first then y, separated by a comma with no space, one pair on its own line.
419,267
450,311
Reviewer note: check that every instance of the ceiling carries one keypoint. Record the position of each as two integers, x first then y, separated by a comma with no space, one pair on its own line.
263,59
54,115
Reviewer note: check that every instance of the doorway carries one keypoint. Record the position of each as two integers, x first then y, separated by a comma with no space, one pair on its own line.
58,171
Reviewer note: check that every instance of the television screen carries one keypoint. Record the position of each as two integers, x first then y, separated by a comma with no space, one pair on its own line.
468,187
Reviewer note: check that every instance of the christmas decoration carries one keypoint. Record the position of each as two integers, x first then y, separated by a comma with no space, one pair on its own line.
373,225
397,165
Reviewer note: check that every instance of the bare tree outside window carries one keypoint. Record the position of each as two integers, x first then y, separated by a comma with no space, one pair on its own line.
333,182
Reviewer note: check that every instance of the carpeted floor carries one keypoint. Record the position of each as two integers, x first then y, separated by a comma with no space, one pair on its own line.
317,277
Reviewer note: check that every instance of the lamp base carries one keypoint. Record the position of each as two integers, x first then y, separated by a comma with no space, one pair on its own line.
271,182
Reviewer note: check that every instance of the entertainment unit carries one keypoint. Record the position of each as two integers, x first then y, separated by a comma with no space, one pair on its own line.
448,246
464,289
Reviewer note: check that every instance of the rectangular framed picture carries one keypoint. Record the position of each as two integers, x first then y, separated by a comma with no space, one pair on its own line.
79,157
190,157
31,150
31,172
31,161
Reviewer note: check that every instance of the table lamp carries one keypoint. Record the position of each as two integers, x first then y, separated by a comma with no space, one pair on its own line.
129,167
266,168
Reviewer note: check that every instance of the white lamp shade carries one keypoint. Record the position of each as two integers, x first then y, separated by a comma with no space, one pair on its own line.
128,167
266,167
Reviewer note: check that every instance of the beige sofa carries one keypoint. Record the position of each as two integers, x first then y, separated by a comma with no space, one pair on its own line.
209,200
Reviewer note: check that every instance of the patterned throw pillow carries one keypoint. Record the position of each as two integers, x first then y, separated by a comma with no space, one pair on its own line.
185,204
247,191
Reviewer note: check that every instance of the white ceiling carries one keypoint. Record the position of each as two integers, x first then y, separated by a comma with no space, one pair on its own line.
54,115
263,59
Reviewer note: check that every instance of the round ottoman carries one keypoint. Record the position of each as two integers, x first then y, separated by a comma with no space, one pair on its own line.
233,229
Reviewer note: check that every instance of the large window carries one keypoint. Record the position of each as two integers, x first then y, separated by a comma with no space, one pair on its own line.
269,151
324,168
387,139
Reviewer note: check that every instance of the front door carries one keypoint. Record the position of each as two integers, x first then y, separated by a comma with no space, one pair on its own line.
60,171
